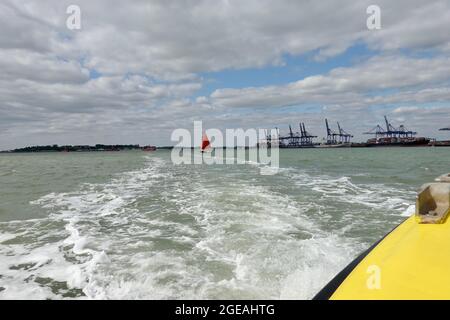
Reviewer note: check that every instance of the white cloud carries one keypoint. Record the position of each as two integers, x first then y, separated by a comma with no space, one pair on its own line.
361,84
149,56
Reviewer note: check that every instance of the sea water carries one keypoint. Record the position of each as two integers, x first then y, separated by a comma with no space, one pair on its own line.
131,225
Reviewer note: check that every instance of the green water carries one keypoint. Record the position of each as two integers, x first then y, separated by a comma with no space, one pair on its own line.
131,225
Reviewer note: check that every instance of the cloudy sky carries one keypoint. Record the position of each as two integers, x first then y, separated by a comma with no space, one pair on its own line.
137,70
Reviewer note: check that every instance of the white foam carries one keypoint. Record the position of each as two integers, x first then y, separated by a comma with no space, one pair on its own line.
166,231
6,237
409,211
342,189
50,260
323,260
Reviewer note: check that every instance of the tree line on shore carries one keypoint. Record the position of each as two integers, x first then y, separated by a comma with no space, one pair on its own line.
71,148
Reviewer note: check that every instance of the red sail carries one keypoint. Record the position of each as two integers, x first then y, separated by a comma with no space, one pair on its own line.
205,142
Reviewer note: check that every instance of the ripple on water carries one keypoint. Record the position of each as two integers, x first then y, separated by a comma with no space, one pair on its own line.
182,232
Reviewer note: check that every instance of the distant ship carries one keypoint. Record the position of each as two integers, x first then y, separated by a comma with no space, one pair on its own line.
444,143
149,148
395,141
395,137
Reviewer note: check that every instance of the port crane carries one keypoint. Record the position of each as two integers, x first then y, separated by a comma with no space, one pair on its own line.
337,137
269,137
378,131
344,136
268,141
306,137
391,131
296,139
331,135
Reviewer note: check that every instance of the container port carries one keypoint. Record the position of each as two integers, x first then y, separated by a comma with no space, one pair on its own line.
302,139
340,138
387,136
394,136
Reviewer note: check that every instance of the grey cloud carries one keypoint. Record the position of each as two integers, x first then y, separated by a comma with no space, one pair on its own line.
32,66
149,56
187,37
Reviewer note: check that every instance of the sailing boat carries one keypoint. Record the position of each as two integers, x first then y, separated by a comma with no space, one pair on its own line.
206,144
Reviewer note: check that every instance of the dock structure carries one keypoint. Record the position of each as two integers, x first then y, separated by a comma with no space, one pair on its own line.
442,143
344,136
339,137
306,137
391,132
331,135
296,139
394,136
268,142
383,136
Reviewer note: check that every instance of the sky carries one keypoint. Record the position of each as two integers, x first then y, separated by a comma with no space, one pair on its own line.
137,70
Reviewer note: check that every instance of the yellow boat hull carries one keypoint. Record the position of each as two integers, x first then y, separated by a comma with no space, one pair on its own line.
411,262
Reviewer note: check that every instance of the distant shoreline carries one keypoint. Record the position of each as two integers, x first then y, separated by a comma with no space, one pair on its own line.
116,148
82,148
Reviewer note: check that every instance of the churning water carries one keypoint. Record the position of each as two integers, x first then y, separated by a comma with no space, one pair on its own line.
131,225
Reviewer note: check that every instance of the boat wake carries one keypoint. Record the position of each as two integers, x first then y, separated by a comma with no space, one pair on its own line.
173,232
